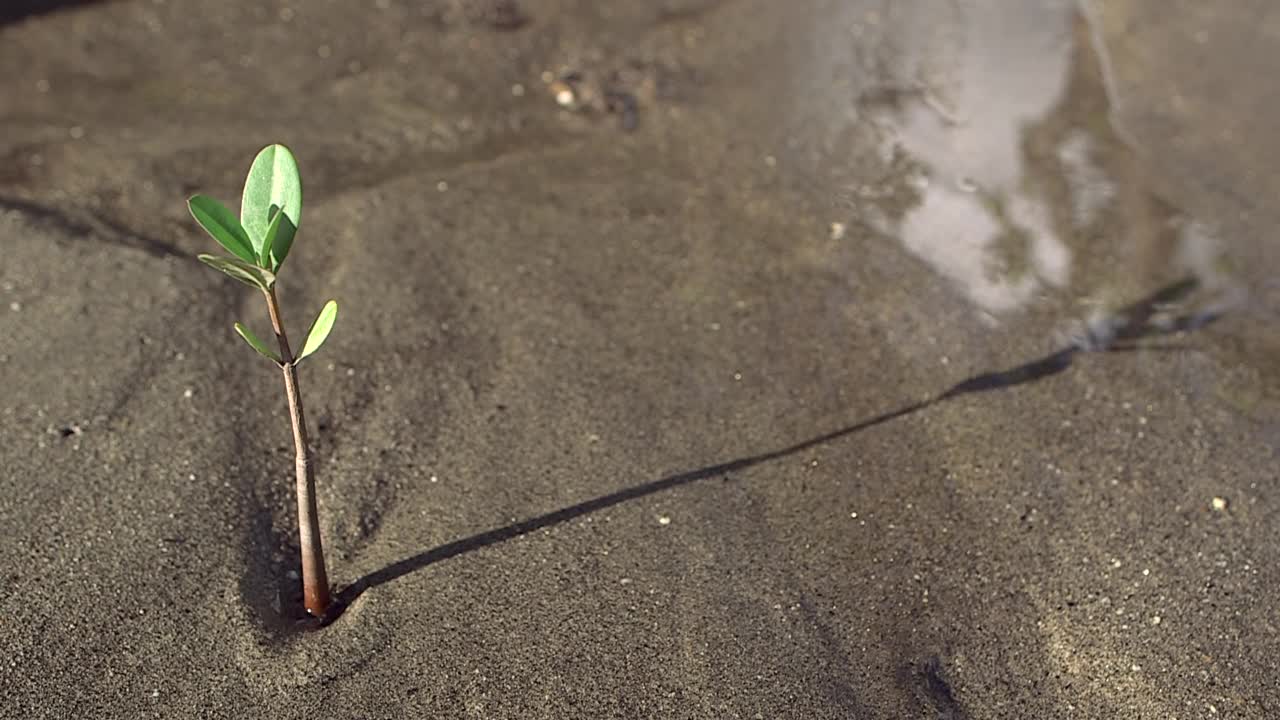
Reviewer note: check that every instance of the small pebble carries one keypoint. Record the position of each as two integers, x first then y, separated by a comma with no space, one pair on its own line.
837,230
664,520
564,94
1219,504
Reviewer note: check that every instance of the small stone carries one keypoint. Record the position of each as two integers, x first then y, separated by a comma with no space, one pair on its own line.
664,520
563,93
838,230
1219,504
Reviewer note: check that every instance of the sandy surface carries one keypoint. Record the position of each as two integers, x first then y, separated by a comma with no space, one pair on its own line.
839,359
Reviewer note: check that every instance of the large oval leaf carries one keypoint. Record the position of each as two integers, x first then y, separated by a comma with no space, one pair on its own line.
218,221
320,329
273,184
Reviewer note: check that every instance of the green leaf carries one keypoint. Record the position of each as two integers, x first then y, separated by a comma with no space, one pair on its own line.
246,273
269,241
273,184
320,329
255,343
218,221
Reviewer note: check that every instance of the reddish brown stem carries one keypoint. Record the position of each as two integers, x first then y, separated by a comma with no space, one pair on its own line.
315,581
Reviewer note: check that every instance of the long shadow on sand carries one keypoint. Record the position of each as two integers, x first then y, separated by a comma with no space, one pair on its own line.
1138,321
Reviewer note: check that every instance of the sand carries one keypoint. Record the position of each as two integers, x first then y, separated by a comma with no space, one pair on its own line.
834,359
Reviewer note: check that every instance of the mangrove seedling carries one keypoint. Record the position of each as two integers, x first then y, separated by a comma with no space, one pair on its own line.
259,242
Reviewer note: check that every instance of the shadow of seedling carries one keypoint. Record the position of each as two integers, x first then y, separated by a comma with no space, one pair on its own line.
1121,331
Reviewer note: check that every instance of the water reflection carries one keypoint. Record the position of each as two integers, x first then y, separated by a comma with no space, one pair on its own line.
1009,178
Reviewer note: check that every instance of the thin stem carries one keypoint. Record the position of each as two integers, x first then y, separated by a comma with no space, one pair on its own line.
315,581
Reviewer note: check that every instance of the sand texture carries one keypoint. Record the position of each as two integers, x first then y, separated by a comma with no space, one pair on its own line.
827,359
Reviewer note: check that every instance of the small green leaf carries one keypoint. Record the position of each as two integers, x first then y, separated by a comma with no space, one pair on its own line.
283,242
218,221
269,241
255,343
273,184
320,329
246,273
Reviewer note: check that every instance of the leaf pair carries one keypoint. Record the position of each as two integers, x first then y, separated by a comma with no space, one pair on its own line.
270,213
315,338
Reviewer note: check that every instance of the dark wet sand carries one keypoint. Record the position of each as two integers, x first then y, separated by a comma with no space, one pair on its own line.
697,400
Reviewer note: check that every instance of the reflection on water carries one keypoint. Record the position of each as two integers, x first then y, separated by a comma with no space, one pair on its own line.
1009,178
